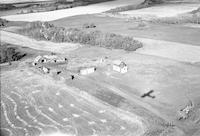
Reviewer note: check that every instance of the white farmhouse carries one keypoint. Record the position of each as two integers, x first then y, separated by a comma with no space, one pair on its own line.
120,66
87,70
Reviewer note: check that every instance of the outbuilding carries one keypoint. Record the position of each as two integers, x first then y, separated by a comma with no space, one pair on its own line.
87,70
44,69
120,66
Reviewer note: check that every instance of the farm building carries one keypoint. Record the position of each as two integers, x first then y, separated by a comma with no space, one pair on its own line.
87,70
55,59
44,69
49,59
120,66
39,59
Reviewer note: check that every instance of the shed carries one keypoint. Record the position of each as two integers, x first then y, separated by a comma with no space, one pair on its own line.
120,66
44,69
87,70
39,59
55,59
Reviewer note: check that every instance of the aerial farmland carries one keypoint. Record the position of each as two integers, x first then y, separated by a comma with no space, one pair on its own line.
100,68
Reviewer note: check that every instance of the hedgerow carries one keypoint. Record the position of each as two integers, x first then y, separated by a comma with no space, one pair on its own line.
49,32
8,54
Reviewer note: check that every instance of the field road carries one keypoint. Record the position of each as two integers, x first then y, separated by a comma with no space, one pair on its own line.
21,40
58,14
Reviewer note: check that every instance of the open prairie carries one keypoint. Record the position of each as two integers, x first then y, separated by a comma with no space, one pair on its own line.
158,95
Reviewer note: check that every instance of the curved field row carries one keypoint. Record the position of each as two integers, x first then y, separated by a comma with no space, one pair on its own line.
52,108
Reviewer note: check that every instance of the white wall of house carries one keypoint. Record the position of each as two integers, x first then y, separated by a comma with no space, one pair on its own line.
119,69
87,71
124,69
116,68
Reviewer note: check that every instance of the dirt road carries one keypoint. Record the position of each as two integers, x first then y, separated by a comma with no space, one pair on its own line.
21,40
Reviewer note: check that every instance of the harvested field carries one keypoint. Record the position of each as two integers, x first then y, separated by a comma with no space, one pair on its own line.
65,112
54,15
165,10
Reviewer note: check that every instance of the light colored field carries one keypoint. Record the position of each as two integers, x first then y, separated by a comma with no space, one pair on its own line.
167,10
54,15
17,1
171,50
17,39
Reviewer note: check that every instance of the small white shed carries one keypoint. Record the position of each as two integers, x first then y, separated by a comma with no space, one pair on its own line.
120,66
44,69
39,59
87,70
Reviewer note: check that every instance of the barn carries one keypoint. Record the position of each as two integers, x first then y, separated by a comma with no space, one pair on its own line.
120,66
87,70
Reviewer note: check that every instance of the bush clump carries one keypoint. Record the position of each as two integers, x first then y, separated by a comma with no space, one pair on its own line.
89,25
8,54
46,31
3,22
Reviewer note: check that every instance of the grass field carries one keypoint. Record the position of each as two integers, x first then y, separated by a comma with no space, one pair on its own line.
174,33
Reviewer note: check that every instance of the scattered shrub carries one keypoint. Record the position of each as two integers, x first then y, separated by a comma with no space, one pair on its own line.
9,54
3,22
46,31
142,24
89,25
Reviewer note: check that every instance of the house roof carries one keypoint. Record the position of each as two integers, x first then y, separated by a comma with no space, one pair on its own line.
37,58
119,63
50,56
